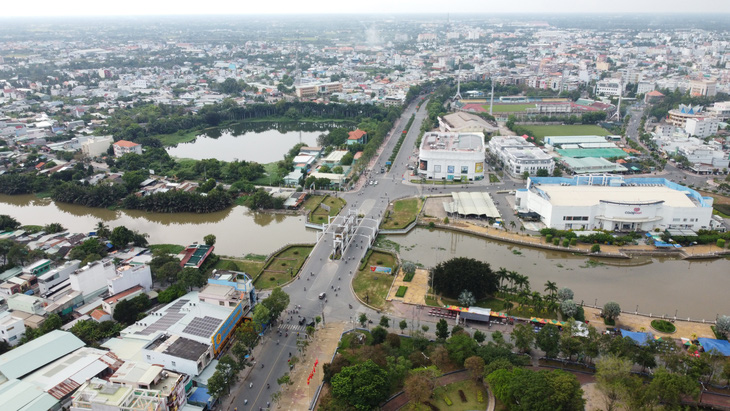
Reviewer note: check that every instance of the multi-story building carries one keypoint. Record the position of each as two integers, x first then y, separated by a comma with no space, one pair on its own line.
123,147
12,328
703,88
519,155
451,156
99,394
679,116
96,146
702,127
316,89
720,110
609,87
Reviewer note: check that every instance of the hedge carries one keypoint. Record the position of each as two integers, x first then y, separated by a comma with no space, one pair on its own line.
721,242
447,400
401,291
408,277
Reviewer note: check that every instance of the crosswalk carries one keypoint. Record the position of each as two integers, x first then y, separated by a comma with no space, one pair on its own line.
292,327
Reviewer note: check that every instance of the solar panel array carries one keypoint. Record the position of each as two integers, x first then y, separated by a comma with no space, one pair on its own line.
165,322
202,327
178,305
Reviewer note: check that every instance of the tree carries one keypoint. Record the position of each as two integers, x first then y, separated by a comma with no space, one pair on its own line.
209,240
53,228
248,334
402,325
440,357
669,388
191,277
331,369
479,336
461,273
168,272
261,314
543,172
384,322
522,389
466,299
475,365
442,329
551,288
363,319
8,223
595,248
548,340
409,267
722,326
569,308
18,254
523,337
460,347
565,294
362,386
276,302
613,379
378,333
525,175
611,311
53,322
419,386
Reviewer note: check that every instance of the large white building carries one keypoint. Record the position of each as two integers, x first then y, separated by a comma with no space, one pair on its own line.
702,127
609,87
451,156
518,155
613,203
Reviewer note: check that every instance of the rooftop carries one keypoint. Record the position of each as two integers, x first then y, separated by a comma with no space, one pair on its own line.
178,346
453,142
589,195
125,143
38,353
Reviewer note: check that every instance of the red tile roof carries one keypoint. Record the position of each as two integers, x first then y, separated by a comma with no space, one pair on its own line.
125,143
356,135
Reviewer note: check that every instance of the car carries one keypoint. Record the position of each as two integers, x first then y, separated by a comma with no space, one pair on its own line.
382,170
322,296
376,182
302,321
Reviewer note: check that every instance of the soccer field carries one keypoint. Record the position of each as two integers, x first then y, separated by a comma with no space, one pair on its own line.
508,108
566,130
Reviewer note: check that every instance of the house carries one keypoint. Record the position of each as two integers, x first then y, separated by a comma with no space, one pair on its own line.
357,137
123,147
195,255
110,303
12,328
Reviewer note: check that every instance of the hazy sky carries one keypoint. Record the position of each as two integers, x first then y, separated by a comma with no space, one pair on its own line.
228,7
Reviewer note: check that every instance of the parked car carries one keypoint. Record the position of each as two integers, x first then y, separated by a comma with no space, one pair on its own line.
322,296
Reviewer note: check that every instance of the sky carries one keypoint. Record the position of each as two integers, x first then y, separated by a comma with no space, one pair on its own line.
229,7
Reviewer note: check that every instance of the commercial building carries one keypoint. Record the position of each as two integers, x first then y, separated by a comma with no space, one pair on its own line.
451,156
720,110
519,155
314,90
461,122
96,146
609,87
56,276
679,116
613,203
591,165
38,353
703,88
99,394
702,127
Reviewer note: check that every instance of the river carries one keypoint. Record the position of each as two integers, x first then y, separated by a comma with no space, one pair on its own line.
238,230
697,289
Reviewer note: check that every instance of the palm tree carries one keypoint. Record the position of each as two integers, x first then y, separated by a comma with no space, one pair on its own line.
537,301
522,282
512,277
551,287
524,297
502,274
512,225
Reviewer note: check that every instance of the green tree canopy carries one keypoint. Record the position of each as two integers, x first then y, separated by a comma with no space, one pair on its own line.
363,386
461,273
276,302
522,389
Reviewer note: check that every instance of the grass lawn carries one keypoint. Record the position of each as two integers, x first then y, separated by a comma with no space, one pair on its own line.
282,267
176,138
493,178
272,175
374,285
250,267
312,202
167,248
403,213
431,302
566,130
508,108
319,215
469,388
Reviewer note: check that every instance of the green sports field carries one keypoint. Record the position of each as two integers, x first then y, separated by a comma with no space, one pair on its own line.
566,130
508,108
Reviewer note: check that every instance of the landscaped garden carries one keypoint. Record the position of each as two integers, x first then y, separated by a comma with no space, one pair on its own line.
370,286
318,214
663,326
402,213
282,267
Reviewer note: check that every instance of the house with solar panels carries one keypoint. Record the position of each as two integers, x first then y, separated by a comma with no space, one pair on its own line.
195,255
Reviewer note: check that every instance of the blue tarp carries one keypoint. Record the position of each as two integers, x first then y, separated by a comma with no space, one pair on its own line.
709,344
200,397
639,337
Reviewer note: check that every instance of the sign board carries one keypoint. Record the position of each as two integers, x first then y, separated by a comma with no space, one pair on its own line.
378,269
387,163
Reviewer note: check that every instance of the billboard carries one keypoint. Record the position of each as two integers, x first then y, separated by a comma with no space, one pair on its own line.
479,167
378,269
226,329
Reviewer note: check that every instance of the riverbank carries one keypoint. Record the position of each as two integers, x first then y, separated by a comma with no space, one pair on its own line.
699,251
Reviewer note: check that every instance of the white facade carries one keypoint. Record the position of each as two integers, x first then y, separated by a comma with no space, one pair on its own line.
451,156
178,354
702,127
11,329
130,276
96,146
519,155
56,276
720,110
611,203
644,87
92,277
609,87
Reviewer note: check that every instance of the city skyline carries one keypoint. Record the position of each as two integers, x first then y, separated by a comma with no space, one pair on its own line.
140,8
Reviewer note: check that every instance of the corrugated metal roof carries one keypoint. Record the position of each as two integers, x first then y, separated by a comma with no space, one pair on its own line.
37,353
16,395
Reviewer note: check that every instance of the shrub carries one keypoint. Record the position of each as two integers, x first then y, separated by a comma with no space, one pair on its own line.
462,395
663,326
446,220
549,238
556,241
595,248
573,241
408,277
401,291
480,397
272,278
431,224
721,242
566,242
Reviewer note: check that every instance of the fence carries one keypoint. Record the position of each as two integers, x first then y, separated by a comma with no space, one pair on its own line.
652,315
